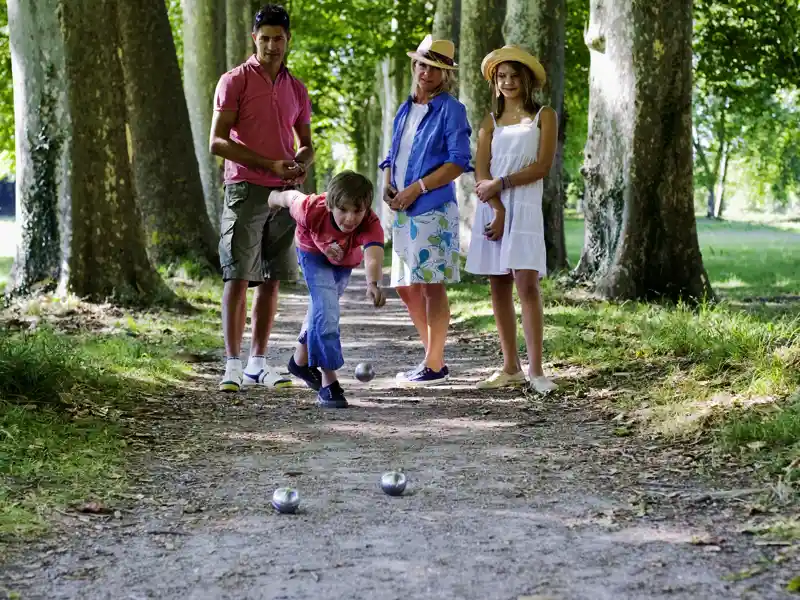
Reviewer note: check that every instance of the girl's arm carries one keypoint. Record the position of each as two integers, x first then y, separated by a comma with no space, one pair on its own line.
548,138
483,159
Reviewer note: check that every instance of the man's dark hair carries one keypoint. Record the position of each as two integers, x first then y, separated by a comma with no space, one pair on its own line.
271,14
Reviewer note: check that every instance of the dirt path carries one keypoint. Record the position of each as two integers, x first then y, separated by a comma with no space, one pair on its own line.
509,497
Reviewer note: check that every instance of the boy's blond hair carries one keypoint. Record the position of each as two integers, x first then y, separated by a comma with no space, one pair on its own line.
349,191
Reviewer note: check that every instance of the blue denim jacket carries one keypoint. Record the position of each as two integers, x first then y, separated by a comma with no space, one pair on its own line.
442,137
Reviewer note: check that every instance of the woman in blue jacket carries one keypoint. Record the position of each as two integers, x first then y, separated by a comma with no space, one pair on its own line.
430,149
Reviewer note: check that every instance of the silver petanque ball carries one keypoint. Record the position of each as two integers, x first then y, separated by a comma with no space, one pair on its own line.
393,483
285,500
364,372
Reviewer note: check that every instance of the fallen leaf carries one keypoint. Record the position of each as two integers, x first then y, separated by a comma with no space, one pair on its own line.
94,508
793,585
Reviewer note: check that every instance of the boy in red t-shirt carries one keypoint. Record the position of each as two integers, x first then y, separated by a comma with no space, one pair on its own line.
332,229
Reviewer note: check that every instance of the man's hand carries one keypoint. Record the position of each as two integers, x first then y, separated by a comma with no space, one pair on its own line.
376,294
285,169
334,252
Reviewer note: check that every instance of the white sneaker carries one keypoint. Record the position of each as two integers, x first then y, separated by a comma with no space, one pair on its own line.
268,377
232,380
543,384
501,379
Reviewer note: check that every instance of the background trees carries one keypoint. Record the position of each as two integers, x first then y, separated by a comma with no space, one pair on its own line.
743,151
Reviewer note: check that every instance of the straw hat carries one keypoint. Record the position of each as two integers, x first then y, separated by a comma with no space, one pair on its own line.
436,53
516,54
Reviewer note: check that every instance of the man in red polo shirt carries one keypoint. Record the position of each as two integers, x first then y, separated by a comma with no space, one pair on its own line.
258,108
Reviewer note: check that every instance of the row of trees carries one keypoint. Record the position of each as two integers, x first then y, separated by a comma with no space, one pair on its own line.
107,193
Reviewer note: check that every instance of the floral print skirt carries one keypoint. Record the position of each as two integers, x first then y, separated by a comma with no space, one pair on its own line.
425,248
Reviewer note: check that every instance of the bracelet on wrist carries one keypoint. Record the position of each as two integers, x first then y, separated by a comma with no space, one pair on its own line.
422,186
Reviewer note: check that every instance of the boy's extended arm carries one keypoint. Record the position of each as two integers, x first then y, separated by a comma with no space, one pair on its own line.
286,198
373,263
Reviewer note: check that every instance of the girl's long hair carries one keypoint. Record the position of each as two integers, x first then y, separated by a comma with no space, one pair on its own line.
528,80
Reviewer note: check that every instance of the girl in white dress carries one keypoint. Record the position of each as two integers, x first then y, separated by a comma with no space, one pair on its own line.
516,146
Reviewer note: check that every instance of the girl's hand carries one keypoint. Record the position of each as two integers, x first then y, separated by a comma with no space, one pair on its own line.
494,230
405,198
488,188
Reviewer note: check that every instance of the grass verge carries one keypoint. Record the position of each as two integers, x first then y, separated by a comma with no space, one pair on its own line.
728,370
68,373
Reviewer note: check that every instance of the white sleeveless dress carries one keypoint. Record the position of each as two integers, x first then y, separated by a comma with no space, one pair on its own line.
514,147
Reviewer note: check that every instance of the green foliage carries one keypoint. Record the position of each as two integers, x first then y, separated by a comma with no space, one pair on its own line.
7,163
175,14
576,98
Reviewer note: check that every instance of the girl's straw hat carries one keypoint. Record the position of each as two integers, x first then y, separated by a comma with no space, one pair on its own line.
436,53
516,54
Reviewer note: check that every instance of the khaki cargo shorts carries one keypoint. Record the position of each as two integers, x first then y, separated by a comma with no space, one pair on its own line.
256,241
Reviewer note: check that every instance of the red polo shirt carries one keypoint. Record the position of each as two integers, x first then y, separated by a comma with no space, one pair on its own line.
267,114
316,231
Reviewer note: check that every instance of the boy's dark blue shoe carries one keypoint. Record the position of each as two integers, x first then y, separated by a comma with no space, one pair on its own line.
311,375
332,396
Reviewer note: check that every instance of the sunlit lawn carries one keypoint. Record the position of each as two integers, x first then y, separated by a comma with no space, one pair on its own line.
686,369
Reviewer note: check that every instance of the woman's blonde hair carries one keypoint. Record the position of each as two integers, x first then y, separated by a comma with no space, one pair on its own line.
447,85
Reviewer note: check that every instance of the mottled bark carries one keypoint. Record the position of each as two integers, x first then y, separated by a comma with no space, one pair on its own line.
43,133
238,24
76,152
641,235
165,173
481,32
447,21
203,63
539,27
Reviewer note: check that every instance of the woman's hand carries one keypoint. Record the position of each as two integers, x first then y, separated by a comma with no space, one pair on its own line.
388,194
406,198
494,230
488,188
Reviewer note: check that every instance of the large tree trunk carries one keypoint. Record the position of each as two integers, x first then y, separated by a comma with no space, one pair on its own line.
481,32
447,21
641,235
166,176
237,31
73,148
43,132
540,27
203,63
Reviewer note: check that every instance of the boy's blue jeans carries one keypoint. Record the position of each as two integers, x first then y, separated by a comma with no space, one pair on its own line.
320,332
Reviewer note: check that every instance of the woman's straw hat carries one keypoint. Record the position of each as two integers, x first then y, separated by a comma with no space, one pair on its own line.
436,53
515,54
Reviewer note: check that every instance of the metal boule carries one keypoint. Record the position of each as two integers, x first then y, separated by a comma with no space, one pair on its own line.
286,500
364,372
393,483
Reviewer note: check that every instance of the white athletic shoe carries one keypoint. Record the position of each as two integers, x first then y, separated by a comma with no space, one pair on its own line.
268,377
232,380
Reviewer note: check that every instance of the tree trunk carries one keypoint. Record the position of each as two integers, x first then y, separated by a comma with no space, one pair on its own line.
447,21
166,177
541,28
203,63
76,155
722,181
641,235
481,32
237,31
43,132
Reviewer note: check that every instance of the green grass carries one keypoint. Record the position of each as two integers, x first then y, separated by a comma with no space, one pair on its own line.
62,395
726,369
5,270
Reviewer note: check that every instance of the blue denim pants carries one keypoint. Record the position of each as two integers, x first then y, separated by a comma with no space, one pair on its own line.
320,332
